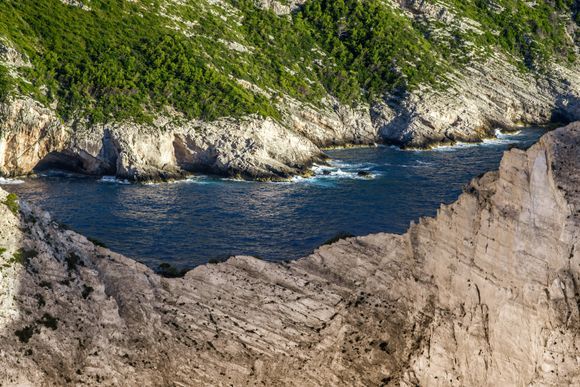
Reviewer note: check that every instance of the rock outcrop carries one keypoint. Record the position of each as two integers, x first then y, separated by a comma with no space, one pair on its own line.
488,92
485,96
28,132
486,293
280,8
32,137
252,148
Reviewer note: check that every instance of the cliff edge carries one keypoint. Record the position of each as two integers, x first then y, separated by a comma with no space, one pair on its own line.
158,90
485,293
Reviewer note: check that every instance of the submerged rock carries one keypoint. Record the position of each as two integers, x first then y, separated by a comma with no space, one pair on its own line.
485,293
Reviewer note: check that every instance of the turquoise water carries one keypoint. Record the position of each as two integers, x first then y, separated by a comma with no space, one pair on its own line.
191,222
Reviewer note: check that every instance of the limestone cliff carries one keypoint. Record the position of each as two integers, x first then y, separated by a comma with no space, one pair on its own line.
489,92
487,96
486,88
485,293
252,147
32,137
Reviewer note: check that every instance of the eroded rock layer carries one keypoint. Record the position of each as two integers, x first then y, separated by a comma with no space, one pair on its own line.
489,90
32,138
485,293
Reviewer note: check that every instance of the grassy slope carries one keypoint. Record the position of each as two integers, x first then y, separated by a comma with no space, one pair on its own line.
129,60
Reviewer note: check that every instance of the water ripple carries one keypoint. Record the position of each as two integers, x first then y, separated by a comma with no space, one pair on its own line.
363,190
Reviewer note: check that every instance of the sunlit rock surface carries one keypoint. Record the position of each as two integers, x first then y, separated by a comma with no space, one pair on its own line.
486,293
487,93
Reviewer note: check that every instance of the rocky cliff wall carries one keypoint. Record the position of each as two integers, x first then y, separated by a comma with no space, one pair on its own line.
485,293
471,101
32,137
486,93
484,97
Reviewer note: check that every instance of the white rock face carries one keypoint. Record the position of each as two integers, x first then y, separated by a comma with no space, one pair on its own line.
486,96
333,125
31,136
28,132
77,3
11,57
486,293
280,8
489,95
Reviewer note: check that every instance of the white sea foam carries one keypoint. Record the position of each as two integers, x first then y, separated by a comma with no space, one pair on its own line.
236,180
6,181
113,180
456,146
194,179
499,139
500,134
349,165
197,179
323,174
339,169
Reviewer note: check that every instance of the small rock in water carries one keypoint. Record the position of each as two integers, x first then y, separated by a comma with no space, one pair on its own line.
364,173
326,172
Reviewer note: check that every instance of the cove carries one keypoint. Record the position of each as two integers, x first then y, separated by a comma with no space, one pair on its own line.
364,190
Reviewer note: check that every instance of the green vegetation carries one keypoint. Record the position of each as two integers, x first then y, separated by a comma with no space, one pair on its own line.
25,333
132,60
11,202
45,284
87,290
219,259
48,321
532,33
375,48
97,242
21,257
5,84
73,261
40,301
118,61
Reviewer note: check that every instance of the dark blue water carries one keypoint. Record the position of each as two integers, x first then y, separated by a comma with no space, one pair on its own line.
189,223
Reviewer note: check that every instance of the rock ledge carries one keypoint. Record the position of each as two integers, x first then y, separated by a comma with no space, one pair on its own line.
486,293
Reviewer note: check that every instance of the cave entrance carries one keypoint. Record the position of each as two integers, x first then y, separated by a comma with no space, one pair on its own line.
72,162
64,161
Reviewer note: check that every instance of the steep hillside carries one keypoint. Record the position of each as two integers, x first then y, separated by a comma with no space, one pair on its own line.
104,73
486,293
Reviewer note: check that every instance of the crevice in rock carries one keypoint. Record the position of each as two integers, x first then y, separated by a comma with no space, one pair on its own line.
110,152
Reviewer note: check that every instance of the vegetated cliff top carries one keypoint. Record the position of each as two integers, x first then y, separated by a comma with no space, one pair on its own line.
486,293
116,59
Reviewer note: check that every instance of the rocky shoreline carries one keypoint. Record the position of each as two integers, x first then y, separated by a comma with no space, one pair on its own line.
485,293
265,149
468,102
